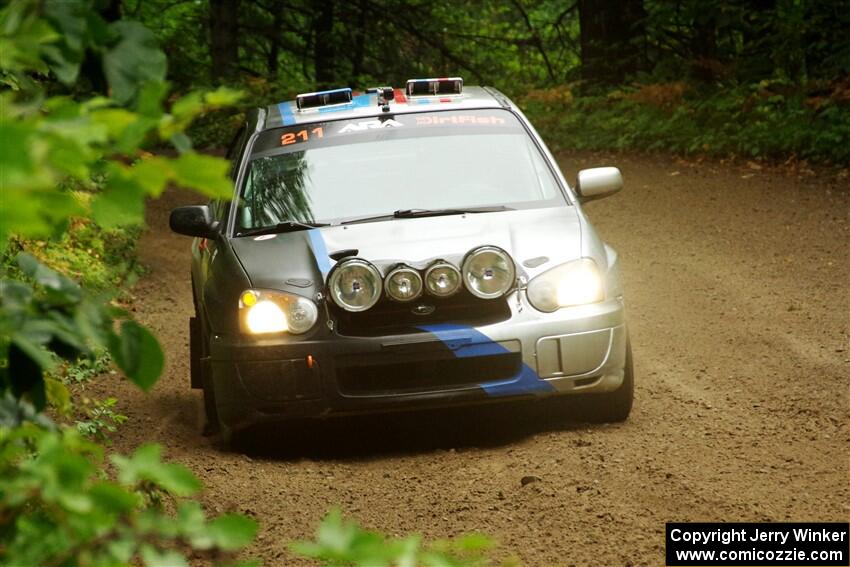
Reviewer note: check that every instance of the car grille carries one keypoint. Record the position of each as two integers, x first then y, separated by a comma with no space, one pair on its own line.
425,375
391,317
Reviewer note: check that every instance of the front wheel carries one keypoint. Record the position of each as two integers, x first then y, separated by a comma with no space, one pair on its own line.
615,406
200,372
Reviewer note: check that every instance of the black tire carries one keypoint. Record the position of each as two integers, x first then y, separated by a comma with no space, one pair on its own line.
200,371
613,407
211,423
231,440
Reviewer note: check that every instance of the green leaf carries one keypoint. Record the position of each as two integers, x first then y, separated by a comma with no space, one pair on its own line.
182,142
206,174
223,96
153,557
188,106
136,351
58,395
121,203
116,120
62,289
145,465
135,60
152,173
74,502
232,531
67,55
177,479
113,498
151,95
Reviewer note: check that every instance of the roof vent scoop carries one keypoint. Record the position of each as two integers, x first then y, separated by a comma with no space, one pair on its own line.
435,87
323,98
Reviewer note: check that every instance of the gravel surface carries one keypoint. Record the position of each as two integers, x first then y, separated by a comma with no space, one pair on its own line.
737,285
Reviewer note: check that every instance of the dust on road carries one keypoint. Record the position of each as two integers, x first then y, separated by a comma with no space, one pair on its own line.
737,283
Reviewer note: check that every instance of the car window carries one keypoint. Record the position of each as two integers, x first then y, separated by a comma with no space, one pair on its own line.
331,171
235,150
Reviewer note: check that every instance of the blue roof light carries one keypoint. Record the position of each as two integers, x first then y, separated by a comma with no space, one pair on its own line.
323,98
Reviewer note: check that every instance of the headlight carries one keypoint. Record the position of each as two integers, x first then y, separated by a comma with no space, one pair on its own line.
355,285
264,312
442,279
488,272
403,284
573,283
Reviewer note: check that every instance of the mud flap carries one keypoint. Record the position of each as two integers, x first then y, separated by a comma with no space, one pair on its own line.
195,352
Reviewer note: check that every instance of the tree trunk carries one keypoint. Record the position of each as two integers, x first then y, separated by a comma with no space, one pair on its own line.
274,44
224,36
358,51
611,31
323,44
759,40
705,66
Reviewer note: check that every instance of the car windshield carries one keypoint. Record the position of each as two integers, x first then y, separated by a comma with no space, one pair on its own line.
333,171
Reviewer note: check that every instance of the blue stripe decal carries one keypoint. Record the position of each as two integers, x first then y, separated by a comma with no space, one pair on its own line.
286,114
466,342
320,251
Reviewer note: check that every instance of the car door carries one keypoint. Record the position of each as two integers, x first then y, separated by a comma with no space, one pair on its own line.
207,249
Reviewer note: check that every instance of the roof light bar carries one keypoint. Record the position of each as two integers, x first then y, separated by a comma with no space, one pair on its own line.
434,87
323,98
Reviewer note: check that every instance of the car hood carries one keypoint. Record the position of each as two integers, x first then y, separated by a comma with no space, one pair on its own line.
537,239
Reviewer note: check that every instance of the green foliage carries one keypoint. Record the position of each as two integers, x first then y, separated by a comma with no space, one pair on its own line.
87,368
55,315
102,420
65,159
57,508
98,259
57,144
340,542
755,121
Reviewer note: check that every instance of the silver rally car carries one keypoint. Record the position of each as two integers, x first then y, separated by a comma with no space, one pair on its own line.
400,249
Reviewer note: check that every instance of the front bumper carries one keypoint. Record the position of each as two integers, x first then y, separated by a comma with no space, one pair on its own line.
531,354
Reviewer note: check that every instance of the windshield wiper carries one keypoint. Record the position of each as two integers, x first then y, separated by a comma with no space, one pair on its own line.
281,227
419,213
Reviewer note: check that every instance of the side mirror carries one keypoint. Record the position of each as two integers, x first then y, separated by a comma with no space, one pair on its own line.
598,182
194,220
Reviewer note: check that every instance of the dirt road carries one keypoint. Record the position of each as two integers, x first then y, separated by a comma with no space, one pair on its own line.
737,289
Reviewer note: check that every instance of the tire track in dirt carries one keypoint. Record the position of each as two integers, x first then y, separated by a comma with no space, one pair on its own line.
737,287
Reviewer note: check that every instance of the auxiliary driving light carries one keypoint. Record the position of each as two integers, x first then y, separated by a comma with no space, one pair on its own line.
355,285
488,272
403,284
442,279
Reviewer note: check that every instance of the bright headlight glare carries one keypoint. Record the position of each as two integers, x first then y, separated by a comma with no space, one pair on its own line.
442,279
488,272
355,285
403,284
573,283
264,312
265,317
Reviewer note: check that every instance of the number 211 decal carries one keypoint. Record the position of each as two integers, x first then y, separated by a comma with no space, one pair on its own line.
300,136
